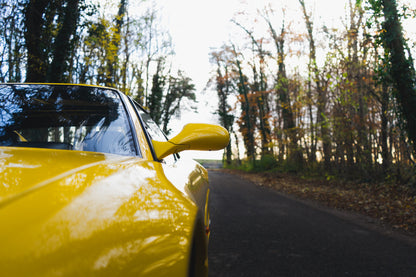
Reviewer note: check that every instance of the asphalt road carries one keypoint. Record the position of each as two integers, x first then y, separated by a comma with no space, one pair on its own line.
259,232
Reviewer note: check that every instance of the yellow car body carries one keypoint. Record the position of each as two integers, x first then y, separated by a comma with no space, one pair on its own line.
84,213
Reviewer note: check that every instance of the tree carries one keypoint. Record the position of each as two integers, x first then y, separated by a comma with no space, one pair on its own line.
321,117
179,89
64,43
155,43
49,38
113,50
36,67
156,97
249,114
401,67
12,50
224,89
283,94
259,87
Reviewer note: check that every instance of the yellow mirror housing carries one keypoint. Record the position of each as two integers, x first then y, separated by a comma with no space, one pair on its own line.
194,136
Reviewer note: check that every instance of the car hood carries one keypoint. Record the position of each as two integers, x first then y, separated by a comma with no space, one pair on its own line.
80,213
24,170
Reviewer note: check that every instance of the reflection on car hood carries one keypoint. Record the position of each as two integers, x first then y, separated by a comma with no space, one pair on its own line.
80,213
23,170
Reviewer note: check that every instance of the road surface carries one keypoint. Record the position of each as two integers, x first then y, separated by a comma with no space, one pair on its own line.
259,232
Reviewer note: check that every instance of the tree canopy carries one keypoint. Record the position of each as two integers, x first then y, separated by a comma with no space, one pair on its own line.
79,41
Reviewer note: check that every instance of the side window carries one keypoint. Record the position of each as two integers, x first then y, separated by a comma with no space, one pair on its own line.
154,131
152,128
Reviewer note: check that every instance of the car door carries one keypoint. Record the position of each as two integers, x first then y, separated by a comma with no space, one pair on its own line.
186,175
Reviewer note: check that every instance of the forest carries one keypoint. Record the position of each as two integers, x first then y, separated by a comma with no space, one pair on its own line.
347,113
350,116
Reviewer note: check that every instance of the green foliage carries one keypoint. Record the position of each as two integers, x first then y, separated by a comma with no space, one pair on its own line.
155,98
400,68
267,162
246,166
179,89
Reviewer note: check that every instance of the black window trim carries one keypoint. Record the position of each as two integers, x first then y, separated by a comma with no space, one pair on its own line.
133,130
147,135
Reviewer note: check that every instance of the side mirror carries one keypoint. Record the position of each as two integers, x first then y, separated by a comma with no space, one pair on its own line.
193,137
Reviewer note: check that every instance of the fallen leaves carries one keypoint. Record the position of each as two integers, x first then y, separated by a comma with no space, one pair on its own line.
391,204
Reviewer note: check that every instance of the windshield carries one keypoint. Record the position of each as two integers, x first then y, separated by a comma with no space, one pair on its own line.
64,117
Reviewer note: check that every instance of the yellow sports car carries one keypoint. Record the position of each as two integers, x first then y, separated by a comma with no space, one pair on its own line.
89,186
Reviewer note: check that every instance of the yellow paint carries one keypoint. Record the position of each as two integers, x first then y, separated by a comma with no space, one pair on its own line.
90,214
21,138
195,177
194,137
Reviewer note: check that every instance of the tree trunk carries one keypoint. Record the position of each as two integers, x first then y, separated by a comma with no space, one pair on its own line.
282,90
112,59
401,70
322,99
248,133
36,67
385,154
262,98
62,46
